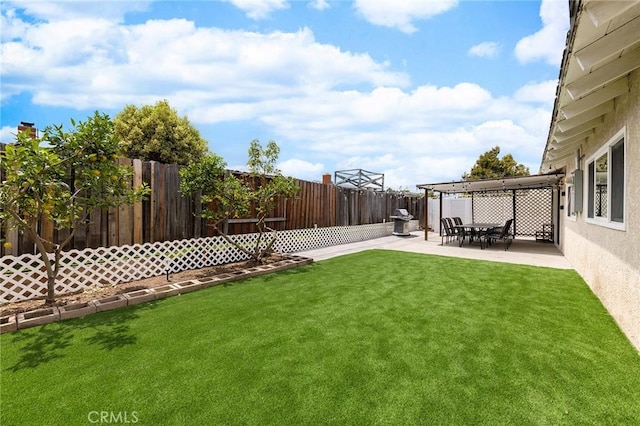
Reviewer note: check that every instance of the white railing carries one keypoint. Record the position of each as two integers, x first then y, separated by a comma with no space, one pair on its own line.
23,277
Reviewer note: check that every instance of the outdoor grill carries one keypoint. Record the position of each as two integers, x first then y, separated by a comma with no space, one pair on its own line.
401,218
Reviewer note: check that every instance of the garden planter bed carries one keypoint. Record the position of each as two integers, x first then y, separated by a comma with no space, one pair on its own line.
75,310
140,296
102,298
189,286
38,317
166,291
110,302
8,324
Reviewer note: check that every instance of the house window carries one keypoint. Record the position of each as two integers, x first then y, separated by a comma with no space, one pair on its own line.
605,187
602,175
617,180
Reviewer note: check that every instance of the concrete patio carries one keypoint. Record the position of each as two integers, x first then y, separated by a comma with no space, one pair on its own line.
522,251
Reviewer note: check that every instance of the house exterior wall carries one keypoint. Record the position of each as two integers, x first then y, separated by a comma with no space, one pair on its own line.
609,259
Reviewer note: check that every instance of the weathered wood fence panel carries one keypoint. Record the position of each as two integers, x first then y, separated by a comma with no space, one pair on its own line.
166,215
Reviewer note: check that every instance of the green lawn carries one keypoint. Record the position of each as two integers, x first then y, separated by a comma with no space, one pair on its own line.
378,337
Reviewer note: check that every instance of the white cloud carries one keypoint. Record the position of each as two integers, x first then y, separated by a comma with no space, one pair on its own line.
375,162
259,9
301,169
8,134
401,14
487,49
328,106
396,132
66,10
96,62
434,168
12,26
548,43
319,4
543,92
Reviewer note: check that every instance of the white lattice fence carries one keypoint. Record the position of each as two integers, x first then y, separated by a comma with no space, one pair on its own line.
309,239
23,277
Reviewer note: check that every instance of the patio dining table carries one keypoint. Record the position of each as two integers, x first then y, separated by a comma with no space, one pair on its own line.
476,228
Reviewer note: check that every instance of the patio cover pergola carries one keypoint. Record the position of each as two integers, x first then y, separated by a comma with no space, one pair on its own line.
548,180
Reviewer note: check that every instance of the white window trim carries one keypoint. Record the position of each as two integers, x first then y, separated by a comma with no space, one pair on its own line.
569,215
606,149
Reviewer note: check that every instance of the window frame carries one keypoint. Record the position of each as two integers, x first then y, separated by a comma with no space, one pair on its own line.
590,185
570,203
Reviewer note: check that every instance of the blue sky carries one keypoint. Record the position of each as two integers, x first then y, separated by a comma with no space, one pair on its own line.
416,90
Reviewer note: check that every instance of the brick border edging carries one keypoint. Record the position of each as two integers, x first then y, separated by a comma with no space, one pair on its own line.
20,321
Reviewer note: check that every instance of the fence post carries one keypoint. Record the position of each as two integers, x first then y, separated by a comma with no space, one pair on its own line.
426,214
137,207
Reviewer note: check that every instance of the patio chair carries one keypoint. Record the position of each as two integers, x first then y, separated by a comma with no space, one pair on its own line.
504,233
456,232
463,233
447,231
452,227
460,233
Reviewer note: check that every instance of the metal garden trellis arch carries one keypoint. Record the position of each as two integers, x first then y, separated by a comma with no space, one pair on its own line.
360,179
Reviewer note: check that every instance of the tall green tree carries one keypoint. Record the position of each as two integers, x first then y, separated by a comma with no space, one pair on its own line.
490,166
157,133
225,196
62,176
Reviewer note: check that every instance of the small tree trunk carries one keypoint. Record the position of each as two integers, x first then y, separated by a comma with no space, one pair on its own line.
51,289
269,248
51,272
51,268
259,253
232,242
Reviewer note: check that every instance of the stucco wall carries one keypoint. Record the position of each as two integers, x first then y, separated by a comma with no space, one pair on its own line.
609,259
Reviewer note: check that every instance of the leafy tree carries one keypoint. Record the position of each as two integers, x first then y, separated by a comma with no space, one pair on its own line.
157,133
62,177
224,195
489,166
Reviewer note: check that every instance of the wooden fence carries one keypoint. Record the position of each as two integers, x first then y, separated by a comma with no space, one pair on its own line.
166,215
